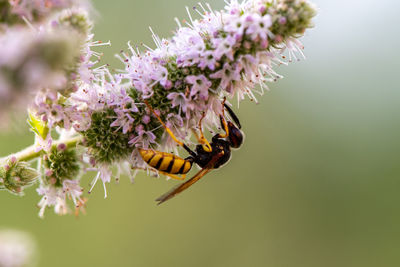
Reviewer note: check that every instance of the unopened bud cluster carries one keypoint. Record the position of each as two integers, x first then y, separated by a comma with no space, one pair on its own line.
15,176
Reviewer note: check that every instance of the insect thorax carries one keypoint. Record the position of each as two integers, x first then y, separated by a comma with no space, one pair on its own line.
219,147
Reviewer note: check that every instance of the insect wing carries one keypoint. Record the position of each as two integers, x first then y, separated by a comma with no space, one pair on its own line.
183,186
180,188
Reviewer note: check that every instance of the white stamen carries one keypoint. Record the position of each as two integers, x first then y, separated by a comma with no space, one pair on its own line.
189,14
105,190
94,182
28,23
178,22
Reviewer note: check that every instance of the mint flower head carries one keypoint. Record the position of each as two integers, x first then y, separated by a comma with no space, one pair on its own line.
31,61
16,11
44,58
17,248
227,53
222,53
102,119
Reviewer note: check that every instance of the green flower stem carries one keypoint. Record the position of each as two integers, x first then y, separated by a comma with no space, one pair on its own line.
29,153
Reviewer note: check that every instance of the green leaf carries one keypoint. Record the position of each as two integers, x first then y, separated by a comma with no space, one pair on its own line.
37,126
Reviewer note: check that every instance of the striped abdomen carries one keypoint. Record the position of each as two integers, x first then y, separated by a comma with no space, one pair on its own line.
166,162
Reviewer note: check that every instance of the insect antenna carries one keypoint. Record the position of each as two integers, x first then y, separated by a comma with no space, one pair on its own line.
233,116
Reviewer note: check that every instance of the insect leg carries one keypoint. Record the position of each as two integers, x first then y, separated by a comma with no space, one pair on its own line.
168,130
151,171
201,139
233,115
224,125
173,176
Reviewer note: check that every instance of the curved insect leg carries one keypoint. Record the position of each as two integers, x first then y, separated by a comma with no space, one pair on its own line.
233,116
201,139
224,125
168,130
173,176
150,171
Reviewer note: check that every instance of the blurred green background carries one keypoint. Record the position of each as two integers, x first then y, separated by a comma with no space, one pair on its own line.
315,184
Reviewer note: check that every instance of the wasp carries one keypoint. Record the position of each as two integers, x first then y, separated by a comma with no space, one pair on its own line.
207,156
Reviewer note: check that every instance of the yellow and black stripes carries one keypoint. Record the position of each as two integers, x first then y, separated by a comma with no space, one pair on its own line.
165,162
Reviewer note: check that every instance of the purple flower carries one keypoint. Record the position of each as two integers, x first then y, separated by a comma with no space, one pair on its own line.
143,139
224,47
174,121
259,28
52,196
160,75
208,60
248,63
124,121
188,46
228,75
178,100
200,85
236,26
146,119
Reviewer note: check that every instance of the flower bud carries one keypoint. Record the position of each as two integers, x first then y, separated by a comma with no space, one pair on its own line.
16,176
76,19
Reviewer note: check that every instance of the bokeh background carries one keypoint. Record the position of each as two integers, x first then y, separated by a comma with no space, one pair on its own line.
315,184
